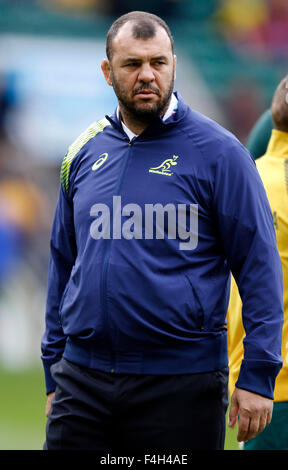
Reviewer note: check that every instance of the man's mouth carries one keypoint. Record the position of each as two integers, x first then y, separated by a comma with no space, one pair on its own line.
146,93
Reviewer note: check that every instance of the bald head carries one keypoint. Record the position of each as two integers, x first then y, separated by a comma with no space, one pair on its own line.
143,26
279,107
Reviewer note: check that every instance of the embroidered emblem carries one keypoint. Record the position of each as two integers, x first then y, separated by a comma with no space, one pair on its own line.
164,168
103,157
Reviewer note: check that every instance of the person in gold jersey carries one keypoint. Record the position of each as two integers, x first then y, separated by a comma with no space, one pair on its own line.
273,169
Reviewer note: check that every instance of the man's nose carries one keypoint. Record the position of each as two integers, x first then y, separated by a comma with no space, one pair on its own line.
146,73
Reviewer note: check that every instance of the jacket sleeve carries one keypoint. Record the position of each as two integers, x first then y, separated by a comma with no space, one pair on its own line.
62,258
247,234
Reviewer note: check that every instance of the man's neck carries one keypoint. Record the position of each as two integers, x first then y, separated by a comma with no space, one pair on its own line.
133,127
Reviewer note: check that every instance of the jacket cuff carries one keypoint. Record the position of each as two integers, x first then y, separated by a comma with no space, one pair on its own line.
258,377
50,382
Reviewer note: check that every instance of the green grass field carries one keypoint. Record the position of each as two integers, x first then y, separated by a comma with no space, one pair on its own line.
22,412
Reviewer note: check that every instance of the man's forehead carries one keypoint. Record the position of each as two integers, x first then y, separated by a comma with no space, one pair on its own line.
125,42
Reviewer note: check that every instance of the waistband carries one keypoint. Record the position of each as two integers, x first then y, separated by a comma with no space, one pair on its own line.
203,354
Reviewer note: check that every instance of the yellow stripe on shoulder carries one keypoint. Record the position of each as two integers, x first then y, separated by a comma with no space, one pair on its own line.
75,147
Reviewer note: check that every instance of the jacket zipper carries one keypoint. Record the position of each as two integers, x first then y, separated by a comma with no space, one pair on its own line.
106,266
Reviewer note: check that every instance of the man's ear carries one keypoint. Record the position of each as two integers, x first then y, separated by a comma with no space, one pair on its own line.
106,69
175,64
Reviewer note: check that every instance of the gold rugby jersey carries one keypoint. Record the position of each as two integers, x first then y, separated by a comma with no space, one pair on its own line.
273,169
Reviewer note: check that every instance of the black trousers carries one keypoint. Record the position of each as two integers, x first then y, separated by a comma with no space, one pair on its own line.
95,410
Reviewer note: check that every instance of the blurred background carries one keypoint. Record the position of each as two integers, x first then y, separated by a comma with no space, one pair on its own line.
231,56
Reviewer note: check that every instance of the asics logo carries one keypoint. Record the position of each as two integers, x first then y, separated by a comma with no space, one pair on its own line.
103,157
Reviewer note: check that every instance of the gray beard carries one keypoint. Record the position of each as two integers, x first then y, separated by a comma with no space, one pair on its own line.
142,115
146,114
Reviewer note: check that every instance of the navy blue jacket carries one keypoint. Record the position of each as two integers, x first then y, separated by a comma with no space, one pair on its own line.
127,298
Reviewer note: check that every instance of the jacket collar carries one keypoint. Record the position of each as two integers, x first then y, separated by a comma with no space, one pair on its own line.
157,124
278,144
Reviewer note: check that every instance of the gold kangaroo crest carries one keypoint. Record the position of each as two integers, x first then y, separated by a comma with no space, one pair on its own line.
164,168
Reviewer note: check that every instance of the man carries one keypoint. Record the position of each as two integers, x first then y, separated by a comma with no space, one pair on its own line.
273,169
157,205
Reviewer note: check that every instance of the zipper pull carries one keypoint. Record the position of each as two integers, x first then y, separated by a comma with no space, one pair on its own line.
131,141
